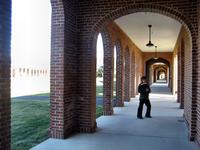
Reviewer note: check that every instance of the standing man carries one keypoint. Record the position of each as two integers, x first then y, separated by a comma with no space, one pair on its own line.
144,91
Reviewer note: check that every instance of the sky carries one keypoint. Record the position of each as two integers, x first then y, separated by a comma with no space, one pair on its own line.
31,26
99,51
31,34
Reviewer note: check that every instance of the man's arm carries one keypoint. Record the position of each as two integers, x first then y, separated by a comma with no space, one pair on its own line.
139,89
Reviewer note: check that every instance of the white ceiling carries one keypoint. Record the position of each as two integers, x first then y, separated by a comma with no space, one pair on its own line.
165,30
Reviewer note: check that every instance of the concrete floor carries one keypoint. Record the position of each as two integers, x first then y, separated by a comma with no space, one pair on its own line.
123,131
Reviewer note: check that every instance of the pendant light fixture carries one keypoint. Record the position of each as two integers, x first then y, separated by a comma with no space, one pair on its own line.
149,44
155,56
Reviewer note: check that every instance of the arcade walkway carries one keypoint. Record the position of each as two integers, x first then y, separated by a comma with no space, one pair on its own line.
123,131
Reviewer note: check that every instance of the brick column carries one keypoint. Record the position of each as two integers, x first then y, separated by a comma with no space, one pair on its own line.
108,73
5,106
137,80
63,69
127,75
133,75
179,76
155,75
181,66
119,75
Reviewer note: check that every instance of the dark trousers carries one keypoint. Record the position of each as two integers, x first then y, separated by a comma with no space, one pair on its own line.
140,108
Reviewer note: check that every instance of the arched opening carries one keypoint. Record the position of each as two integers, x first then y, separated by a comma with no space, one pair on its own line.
153,65
99,75
160,73
114,75
175,87
167,73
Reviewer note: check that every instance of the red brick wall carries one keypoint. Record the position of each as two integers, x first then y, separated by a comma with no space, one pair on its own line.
179,50
165,55
5,106
183,50
198,81
136,69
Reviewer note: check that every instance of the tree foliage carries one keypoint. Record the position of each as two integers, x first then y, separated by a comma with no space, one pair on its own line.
100,72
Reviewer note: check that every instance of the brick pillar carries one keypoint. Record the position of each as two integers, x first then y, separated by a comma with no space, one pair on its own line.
136,76
193,123
5,106
182,57
179,76
119,75
127,75
180,83
155,74
108,73
132,75
63,69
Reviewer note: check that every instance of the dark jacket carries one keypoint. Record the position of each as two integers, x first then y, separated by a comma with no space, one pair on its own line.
144,90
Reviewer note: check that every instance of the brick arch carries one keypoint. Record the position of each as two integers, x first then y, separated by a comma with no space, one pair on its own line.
155,69
156,8
147,7
185,20
152,61
127,74
161,70
119,74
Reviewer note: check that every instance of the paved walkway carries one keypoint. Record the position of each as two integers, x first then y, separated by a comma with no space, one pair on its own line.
123,131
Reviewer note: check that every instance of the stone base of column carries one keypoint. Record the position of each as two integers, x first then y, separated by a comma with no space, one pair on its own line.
88,129
191,138
54,133
108,113
191,135
127,100
120,105
178,100
197,142
181,106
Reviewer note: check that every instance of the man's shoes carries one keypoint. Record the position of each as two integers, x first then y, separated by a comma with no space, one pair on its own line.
140,117
148,116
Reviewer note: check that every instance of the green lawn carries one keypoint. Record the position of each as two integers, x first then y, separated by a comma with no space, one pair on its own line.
30,122
99,90
43,94
99,111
